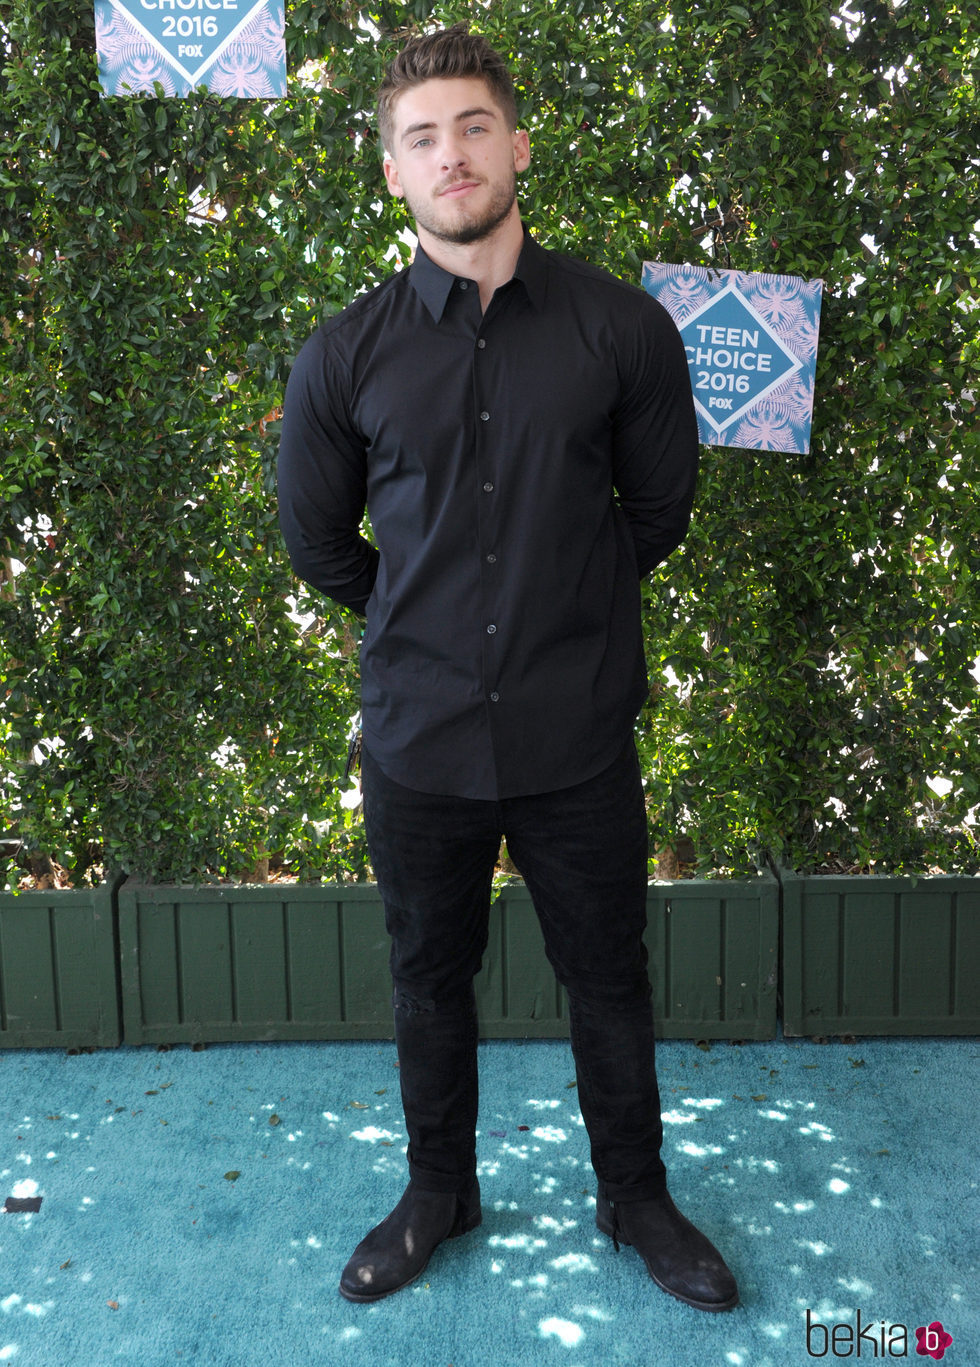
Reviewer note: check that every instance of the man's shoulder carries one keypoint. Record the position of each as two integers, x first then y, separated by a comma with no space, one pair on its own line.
629,310
362,311
605,291
332,348
588,274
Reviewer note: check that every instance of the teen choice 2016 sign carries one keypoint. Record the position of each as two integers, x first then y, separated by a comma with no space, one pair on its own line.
751,345
234,47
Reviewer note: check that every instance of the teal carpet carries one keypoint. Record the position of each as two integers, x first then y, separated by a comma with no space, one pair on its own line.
198,1206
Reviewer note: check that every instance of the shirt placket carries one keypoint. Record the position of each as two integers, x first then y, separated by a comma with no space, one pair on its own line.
489,493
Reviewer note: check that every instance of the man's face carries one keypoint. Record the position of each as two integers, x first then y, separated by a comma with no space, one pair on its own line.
454,160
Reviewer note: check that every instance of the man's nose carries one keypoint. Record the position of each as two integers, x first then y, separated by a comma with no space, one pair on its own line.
454,155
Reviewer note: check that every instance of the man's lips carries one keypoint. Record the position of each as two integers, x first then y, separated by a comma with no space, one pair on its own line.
459,187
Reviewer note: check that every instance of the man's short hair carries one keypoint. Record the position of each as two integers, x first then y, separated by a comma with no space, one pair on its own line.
445,55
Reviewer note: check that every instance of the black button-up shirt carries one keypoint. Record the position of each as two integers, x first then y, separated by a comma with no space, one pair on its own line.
522,468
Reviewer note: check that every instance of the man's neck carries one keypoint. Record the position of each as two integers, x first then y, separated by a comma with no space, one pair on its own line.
491,261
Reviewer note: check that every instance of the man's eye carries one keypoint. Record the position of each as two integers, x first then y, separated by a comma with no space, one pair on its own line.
475,128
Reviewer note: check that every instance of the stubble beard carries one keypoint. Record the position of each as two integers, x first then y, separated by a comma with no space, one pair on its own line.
465,229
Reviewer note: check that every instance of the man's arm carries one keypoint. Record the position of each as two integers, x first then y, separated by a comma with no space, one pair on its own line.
655,452
323,482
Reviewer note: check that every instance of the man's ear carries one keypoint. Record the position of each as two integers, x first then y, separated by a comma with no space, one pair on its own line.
522,150
391,176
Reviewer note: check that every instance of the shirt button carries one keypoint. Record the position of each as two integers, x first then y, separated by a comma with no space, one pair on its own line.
484,416
491,559
464,284
490,630
495,697
482,343
488,488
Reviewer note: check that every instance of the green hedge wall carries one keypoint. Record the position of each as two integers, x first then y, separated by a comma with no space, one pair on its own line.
175,704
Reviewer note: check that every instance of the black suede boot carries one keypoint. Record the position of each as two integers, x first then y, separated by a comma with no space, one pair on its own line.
679,1258
398,1250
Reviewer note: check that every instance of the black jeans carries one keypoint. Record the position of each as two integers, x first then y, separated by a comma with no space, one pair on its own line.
582,852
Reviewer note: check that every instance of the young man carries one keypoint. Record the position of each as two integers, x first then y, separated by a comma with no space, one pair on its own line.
521,429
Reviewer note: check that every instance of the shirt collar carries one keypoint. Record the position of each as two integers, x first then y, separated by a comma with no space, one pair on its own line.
433,285
532,269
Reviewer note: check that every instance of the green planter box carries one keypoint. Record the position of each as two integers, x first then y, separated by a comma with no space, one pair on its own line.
875,955
58,969
714,957
280,961
252,962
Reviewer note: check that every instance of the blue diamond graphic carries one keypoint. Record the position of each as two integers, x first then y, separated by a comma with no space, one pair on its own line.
189,42
736,359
